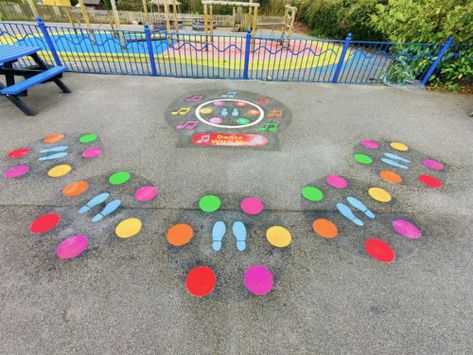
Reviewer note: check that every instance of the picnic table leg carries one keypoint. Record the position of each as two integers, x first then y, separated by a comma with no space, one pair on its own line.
19,103
10,78
43,65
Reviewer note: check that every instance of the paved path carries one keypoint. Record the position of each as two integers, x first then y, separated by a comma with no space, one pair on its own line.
129,296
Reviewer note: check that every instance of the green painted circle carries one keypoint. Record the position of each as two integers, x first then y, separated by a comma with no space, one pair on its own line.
363,159
88,138
243,121
209,203
120,177
312,193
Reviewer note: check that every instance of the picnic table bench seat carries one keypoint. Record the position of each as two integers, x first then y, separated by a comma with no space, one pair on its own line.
33,75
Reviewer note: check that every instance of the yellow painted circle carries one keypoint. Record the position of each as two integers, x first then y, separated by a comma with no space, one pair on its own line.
278,236
128,228
60,170
206,111
399,146
379,194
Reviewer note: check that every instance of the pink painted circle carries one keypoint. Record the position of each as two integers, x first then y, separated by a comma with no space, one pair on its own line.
16,171
336,181
252,205
258,280
241,104
219,103
433,164
406,229
92,153
72,247
146,193
216,120
370,144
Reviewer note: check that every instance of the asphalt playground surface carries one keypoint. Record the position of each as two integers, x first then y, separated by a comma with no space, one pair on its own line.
129,296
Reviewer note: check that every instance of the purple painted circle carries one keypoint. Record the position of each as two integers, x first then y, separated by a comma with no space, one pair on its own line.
258,280
406,229
216,120
16,171
219,103
336,181
370,144
433,164
252,205
72,247
92,153
146,193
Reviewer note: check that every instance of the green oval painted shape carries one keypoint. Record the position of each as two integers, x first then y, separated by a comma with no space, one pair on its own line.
120,177
209,203
312,193
363,159
243,121
88,138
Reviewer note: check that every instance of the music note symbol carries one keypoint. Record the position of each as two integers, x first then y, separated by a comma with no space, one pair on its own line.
230,95
277,112
204,139
194,99
181,112
188,125
271,127
262,101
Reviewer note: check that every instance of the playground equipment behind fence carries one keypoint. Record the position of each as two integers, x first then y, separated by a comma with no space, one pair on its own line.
192,55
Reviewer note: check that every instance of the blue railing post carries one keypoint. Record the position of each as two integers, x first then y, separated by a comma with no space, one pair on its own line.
247,55
150,50
437,61
342,58
47,38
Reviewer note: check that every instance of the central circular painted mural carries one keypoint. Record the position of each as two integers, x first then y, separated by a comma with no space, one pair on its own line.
228,119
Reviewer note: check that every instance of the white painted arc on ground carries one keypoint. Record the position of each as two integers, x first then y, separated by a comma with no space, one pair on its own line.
199,117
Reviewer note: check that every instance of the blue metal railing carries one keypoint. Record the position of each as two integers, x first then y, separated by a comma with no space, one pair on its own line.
196,55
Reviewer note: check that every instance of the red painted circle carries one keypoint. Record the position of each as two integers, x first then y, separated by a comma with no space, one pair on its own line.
200,281
379,250
430,181
19,153
45,223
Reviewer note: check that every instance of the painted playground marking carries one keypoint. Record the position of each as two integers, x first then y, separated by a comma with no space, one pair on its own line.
100,205
43,157
228,231
356,231
228,119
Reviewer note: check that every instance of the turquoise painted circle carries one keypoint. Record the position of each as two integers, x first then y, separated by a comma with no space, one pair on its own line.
209,203
242,121
363,159
312,193
120,177
88,138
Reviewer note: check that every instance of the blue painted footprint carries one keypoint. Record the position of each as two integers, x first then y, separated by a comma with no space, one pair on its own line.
360,206
348,214
235,112
218,232
239,230
224,112
108,209
97,200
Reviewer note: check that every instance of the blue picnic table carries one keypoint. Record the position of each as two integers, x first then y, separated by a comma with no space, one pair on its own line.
38,74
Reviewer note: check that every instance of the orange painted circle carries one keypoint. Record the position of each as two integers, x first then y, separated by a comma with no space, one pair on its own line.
53,138
390,176
75,188
325,228
179,234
